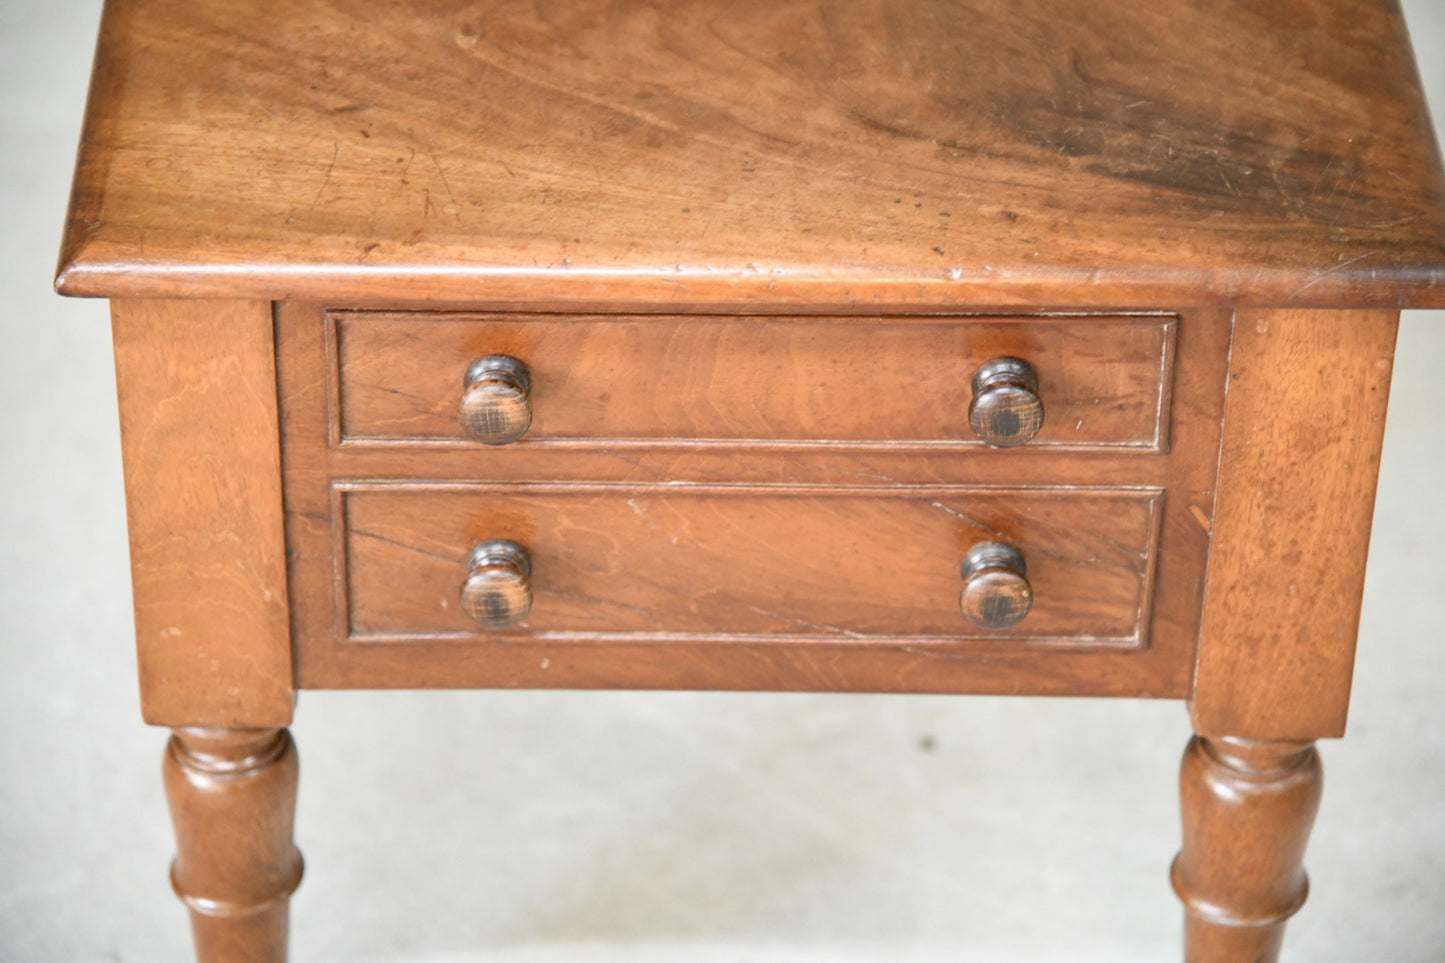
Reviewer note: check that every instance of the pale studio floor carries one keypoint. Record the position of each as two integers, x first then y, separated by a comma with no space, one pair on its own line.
662,827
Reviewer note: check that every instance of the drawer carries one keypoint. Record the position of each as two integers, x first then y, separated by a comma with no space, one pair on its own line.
1103,382
688,563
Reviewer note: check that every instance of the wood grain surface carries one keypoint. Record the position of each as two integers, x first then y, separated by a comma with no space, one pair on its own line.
1303,427
232,795
726,239
200,441
1248,808
414,511
729,563
311,400
1059,153
682,381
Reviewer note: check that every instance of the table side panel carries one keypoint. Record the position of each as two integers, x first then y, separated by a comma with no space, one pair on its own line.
1304,422
199,437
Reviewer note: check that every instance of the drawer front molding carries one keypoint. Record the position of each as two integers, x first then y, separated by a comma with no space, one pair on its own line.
723,563
848,485
666,381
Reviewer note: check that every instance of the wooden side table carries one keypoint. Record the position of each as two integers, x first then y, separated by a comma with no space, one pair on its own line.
954,347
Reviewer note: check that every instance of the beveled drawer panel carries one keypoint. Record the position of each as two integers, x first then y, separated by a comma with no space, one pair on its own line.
697,563
1104,382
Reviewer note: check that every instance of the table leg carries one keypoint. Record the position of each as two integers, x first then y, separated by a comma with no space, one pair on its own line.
1248,808
232,795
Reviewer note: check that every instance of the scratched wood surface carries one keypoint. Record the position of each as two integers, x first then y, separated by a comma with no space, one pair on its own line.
199,434
721,562
1067,153
370,571
1303,430
681,380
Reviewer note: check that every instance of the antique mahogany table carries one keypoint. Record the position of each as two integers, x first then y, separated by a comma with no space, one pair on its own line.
953,346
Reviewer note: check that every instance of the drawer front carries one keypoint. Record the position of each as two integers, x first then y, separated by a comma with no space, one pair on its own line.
743,502
668,381
660,562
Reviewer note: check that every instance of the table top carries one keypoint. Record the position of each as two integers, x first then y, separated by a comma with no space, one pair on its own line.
975,153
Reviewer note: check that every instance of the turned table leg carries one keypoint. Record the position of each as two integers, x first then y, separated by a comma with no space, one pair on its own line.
232,795
1248,809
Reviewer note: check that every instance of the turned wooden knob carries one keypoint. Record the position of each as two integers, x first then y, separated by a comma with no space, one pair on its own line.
1006,410
498,589
496,403
996,590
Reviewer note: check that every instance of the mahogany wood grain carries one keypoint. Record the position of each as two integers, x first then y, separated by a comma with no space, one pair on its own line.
1057,153
325,658
200,442
1302,430
314,451
684,380
1248,808
718,563
232,795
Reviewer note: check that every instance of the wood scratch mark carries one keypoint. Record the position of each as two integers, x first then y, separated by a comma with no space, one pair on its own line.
1279,186
359,533
1324,274
443,174
816,626
1346,202
1225,177
335,152
1315,188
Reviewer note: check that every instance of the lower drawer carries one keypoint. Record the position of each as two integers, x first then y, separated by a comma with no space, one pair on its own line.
660,563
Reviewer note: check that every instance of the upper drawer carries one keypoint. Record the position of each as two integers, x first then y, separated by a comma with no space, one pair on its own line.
1103,382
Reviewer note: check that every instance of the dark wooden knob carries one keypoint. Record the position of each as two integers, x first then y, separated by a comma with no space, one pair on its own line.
996,590
498,589
1006,410
497,401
